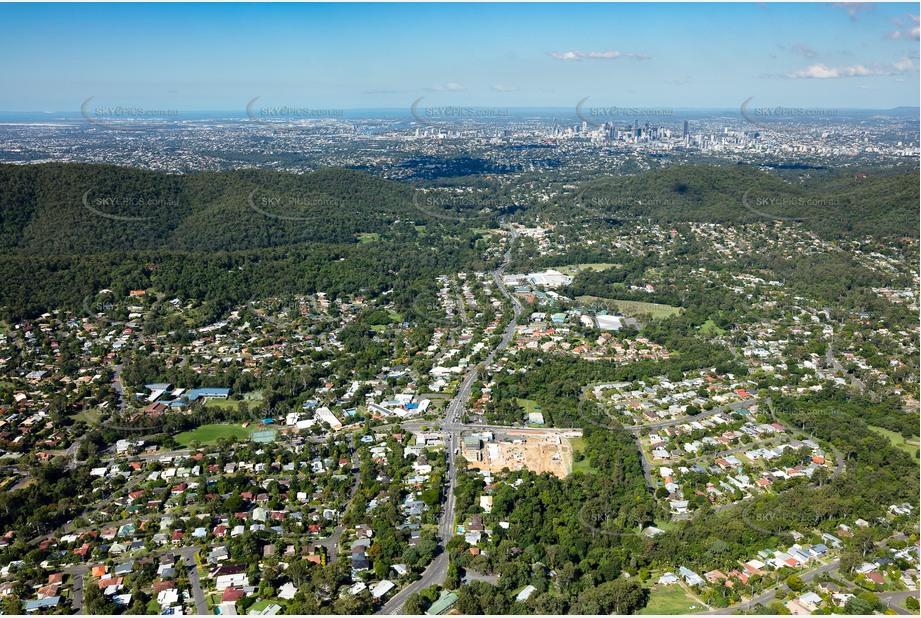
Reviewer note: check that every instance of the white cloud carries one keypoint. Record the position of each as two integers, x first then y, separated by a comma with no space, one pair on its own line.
909,33
501,88
821,71
570,55
905,64
816,71
597,55
604,54
451,87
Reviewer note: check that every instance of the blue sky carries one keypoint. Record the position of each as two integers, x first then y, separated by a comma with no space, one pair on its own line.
220,56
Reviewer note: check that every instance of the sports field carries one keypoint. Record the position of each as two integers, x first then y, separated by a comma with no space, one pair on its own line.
634,308
572,269
209,434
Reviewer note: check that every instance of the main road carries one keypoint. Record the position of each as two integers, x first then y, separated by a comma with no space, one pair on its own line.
451,426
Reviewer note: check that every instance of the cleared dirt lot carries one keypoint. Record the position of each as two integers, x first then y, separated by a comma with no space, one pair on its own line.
536,452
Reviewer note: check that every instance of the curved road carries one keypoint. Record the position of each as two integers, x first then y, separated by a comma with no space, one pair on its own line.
892,600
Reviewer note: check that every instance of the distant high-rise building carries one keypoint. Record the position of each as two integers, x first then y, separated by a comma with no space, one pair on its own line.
686,130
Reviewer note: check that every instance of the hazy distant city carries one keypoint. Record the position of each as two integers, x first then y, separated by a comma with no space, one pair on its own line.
392,143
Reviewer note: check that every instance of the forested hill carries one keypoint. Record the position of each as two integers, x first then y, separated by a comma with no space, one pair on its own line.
876,203
77,208
69,230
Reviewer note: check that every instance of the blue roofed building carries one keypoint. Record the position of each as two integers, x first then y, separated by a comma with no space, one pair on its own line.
40,604
207,393
692,578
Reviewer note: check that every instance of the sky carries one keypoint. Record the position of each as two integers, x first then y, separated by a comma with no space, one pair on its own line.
194,57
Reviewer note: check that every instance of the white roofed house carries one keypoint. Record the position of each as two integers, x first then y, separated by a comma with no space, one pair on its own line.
382,588
525,594
810,601
667,579
229,580
287,591
326,415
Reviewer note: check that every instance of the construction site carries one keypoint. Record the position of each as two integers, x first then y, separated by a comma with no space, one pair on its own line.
538,450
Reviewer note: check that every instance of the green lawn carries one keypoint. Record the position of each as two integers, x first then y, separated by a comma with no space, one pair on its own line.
529,405
670,600
90,416
665,524
909,446
367,237
584,466
572,269
634,308
209,434
395,318
258,606
224,404
709,329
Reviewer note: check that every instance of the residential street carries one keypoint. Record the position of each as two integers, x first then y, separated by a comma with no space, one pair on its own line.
452,427
767,596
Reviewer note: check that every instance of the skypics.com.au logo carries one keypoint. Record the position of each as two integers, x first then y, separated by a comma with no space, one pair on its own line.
288,117
460,207
808,207
617,207
445,116
598,116
125,117
304,208
103,205
782,118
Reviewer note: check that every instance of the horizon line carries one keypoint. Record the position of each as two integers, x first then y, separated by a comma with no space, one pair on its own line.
572,109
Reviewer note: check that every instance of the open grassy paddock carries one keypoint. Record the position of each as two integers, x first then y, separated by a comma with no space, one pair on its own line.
634,308
209,434
670,600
